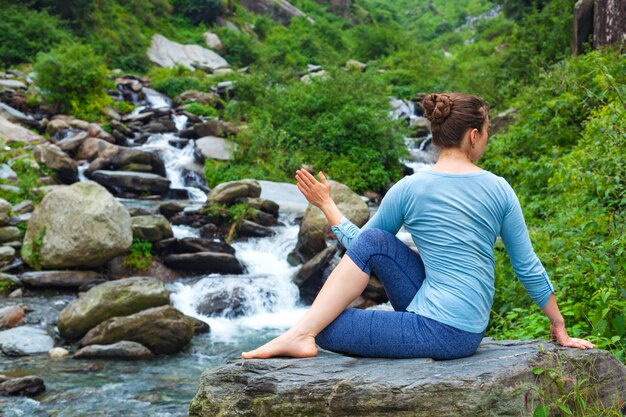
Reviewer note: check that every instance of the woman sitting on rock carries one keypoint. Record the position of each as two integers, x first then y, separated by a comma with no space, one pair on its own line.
441,297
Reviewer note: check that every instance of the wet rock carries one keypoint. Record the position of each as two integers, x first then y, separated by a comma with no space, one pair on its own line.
496,381
54,158
9,234
168,54
73,143
161,329
58,353
228,192
111,299
205,262
200,327
151,228
25,340
223,303
11,316
60,279
251,229
267,206
311,241
7,255
29,386
120,350
170,208
310,277
191,245
211,147
137,182
81,225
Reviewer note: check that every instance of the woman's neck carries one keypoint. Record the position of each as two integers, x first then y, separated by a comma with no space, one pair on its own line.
455,161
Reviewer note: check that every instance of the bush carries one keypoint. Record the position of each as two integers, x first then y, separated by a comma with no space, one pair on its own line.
25,32
140,256
73,78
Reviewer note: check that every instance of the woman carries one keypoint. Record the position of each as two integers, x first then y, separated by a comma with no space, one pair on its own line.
441,297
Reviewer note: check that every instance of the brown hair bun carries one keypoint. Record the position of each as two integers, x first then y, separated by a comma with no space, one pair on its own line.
437,107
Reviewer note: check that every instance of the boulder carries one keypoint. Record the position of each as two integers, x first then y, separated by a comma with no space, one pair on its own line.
311,241
81,225
213,41
310,277
12,132
168,54
191,245
119,350
11,316
215,127
211,147
609,22
583,25
25,340
54,158
280,10
5,212
7,255
161,329
111,299
29,386
10,234
228,192
60,279
497,381
136,182
205,262
355,65
225,303
151,228
251,229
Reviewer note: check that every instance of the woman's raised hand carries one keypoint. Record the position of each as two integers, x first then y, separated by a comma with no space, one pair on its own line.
316,192
559,335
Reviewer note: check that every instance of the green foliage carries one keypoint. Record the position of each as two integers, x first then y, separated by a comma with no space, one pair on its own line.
201,110
175,81
139,257
25,32
28,172
565,159
206,11
339,124
31,251
123,107
241,49
73,78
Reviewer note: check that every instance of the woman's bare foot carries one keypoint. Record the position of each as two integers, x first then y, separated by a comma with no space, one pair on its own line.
291,343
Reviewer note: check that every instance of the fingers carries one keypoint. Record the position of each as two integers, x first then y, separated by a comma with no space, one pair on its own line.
577,343
323,178
306,177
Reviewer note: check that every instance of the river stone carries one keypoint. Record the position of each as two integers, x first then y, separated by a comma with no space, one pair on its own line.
16,116
111,299
81,225
54,158
12,84
58,353
151,228
205,262
6,173
223,302
7,255
211,147
138,182
191,245
5,212
26,385
23,207
496,381
12,132
251,229
215,127
161,329
11,316
119,350
10,234
228,192
25,340
59,279
168,54
310,277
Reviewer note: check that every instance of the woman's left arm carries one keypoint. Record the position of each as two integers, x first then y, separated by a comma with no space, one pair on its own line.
558,332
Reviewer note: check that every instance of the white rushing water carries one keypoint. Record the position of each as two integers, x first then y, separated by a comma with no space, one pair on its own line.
264,297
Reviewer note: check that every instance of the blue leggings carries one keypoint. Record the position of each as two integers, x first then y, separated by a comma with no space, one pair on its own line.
399,333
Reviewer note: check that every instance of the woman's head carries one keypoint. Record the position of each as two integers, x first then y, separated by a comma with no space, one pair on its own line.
452,115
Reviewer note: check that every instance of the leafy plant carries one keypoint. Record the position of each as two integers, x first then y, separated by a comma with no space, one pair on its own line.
140,255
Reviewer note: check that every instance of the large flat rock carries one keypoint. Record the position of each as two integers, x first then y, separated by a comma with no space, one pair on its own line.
496,381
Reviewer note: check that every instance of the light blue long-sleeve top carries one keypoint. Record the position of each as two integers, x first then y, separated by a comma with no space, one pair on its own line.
454,220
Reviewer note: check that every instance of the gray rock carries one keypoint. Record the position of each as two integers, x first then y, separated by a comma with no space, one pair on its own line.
161,329
16,116
215,127
54,158
496,381
168,54
7,255
119,350
228,192
23,207
25,340
27,385
280,10
251,229
211,147
59,279
111,299
9,234
205,262
6,173
151,228
191,245
5,212
213,41
224,303
73,143
138,182
12,84
81,225
309,278
12,132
